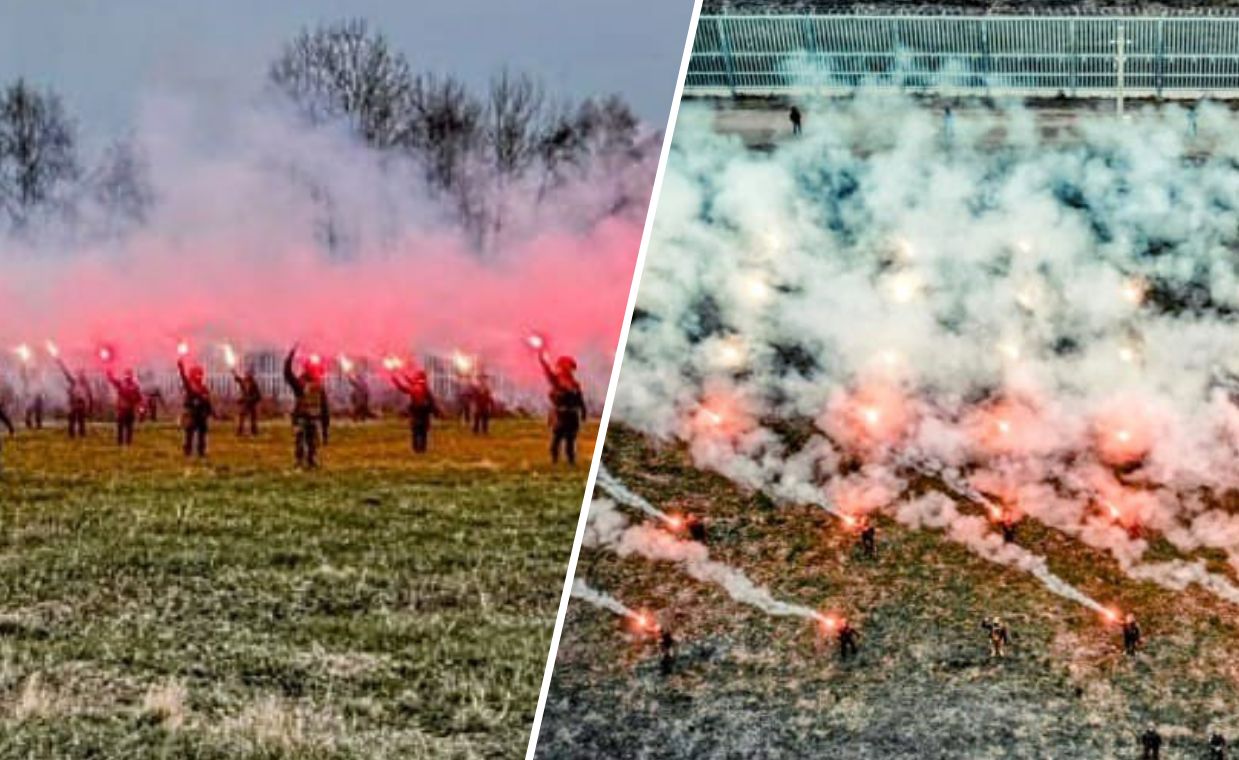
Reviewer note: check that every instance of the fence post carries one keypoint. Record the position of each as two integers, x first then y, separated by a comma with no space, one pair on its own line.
893,23
1074,58
1161,54
728,64
985,60
810,46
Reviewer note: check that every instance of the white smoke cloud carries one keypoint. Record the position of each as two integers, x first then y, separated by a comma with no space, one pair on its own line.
1047,318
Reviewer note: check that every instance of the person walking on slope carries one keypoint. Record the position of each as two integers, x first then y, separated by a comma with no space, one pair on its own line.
1151,744
1131,635
847,637
999,636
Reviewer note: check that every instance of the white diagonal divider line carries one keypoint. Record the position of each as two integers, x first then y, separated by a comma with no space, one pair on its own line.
566,593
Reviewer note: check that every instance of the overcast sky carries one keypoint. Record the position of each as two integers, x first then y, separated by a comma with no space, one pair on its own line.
102,54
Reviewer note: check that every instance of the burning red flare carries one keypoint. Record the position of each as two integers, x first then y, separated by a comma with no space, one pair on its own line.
105,354
830,623
52,350
644,622
536,341
1111,614
182,348
675,522
874,415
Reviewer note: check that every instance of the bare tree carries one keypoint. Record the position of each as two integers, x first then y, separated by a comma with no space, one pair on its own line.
446,129
607,126
120,184
514,113
37,153
595,130
343,71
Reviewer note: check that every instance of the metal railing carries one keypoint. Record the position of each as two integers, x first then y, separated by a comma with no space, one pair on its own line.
1043,56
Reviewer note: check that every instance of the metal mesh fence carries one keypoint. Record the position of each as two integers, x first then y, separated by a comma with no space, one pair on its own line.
1069,56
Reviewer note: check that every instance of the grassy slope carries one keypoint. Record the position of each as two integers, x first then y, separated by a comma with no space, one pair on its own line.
381,607
923,687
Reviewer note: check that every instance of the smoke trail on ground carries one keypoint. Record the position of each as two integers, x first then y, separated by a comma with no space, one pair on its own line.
608,529
581,590
623,495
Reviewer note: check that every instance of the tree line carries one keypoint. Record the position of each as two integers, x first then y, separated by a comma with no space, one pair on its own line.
471,148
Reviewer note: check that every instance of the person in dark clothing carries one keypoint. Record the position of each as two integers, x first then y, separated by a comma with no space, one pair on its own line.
847,638
77,388
32,393
1217,747
1007,524
198,409
359,398
464,400
1151,743
666,651
696,528
309,408
794,117
34,412
422,407
1131,634
324,417
128,402
868,537
483,406
567,406
999,636
249,399
8,423
154,397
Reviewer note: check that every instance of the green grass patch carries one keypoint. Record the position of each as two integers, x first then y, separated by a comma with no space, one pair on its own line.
385,606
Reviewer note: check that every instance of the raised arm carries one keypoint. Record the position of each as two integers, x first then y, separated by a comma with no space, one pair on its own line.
546,369
180,370
112,379
290,377
69,378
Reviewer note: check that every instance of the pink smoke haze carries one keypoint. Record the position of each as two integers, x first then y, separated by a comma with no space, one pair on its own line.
232,250
427,293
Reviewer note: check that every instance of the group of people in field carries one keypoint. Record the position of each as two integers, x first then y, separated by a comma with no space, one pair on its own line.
311,412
